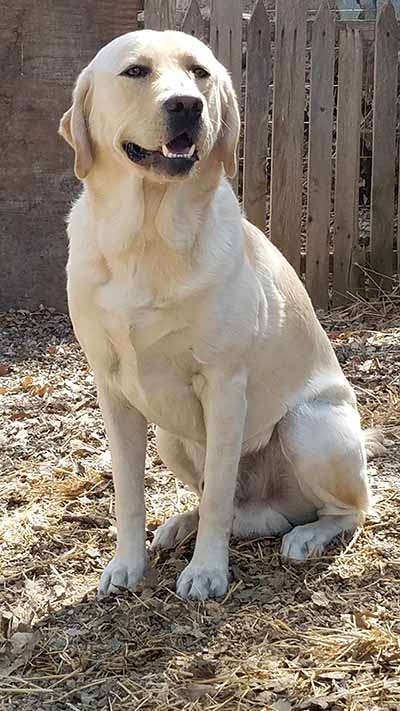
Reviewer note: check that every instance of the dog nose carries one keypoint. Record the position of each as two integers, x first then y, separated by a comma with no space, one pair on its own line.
189,106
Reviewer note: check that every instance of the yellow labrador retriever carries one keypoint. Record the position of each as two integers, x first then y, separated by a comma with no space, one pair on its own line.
192,320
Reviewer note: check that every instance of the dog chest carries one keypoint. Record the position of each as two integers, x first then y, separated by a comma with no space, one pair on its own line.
153,366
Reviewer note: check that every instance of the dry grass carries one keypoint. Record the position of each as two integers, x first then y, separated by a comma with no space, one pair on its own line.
323,636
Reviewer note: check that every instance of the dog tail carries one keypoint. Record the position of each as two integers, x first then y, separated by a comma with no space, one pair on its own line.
374,441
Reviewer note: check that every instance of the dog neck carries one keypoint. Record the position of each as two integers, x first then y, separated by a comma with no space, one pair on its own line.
130,209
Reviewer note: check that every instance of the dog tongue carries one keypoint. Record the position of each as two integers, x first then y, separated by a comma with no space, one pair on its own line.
180,144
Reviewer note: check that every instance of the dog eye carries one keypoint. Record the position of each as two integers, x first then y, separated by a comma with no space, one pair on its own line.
137,71
200,72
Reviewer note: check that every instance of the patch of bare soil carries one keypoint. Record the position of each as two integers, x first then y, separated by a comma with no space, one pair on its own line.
323,636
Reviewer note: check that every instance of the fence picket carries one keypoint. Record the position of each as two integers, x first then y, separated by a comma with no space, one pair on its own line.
226,43
160,14
288,128
397,254
384,145
397,266
259,65
347,162
226,38
320,156
193,22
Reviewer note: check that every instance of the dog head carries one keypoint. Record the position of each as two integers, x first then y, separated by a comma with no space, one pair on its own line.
159,103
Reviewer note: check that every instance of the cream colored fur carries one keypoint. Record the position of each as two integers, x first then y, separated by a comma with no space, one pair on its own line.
192,320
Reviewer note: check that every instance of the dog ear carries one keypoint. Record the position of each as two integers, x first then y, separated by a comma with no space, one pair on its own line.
74,129
230,126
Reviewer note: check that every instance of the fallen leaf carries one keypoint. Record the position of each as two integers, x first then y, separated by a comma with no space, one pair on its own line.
20,415
366,366
324,702
19,650
281,705
20,640
42,390
193,692
337,675
202,668
80,449
93,552
265,697
59,590
189,631
5,622
320,599
281,683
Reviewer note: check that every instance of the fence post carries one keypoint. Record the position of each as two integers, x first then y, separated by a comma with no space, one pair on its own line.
256,115
160,14
288,129
320,156
384,146
347,161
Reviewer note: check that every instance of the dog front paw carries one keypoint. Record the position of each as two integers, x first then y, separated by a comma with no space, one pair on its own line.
121,573
199,582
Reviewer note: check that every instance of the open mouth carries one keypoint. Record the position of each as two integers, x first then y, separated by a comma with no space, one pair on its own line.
176,157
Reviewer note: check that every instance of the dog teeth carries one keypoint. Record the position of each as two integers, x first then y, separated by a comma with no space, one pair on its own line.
167,154
178,155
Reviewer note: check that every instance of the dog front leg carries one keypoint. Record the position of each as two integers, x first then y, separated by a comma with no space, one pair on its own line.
224,403
127,434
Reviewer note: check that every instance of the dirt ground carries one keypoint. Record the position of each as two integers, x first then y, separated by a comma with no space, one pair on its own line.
322,636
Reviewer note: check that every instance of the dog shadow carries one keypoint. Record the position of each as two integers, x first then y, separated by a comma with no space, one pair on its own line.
152,649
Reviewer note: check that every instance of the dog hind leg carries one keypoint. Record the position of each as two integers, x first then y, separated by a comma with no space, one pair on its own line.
325,445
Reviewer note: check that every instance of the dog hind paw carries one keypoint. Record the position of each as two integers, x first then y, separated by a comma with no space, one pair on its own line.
175,530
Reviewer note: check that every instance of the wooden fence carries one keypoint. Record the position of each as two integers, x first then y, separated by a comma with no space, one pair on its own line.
307,94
